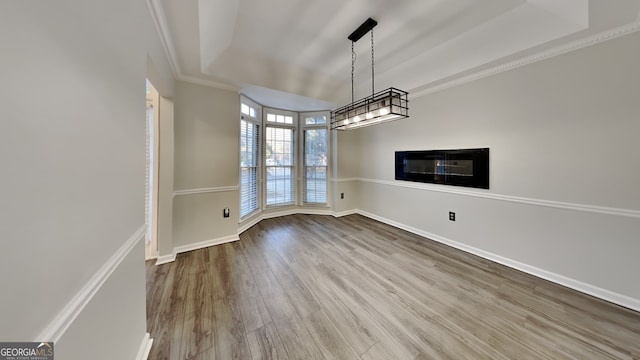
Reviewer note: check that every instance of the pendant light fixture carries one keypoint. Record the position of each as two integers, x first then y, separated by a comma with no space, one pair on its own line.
386,105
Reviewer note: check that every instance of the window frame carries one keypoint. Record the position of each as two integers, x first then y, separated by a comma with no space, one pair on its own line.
303,179
295,167
257,121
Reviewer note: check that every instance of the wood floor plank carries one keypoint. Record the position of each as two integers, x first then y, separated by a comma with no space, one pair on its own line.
265,344
330,341
298,342
229,337
167,338
197,332
380,352
254,312
349,318
319,287
300,296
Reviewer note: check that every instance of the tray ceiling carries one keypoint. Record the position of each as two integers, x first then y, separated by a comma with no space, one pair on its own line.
295,54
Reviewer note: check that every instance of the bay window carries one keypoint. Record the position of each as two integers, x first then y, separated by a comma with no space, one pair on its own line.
286,149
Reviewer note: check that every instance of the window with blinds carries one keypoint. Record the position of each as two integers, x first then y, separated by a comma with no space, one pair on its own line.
284,158
279,165
316,144
249,161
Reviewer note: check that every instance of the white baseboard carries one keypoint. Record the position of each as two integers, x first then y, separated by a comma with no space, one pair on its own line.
589,289
604,294
56,328
283,212
247,224
145,347
164,259
344,213
205,244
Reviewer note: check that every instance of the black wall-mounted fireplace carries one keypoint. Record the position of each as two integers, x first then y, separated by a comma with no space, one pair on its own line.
461,167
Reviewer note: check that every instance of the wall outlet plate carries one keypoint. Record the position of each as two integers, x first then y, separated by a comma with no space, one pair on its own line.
226,212
452,216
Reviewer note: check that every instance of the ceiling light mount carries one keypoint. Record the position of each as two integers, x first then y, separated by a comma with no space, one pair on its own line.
387,105
366,26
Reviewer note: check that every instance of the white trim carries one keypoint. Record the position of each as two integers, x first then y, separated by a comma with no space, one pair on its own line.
145,347
249,223
266,214
340,180
205,244
515,199
604,294
57,327
154,255
208,83
160,21
205,190
165,259
543,55
344,213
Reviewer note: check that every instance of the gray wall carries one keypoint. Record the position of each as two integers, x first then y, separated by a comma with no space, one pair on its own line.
563,135
347,164
72,151
206,157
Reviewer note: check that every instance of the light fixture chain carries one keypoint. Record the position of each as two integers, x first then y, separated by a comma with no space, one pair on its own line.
353,64
373,88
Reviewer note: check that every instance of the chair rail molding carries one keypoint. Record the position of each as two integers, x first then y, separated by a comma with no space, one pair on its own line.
56,328
205,190
631,213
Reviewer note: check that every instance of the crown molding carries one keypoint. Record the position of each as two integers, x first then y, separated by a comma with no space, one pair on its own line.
162,28
209,83
160,21
543,55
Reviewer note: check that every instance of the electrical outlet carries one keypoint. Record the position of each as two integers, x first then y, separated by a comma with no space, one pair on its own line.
341,195
225,212
452,216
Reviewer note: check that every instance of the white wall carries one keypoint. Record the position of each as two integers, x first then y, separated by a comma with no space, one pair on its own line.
206,160
563,135
72,153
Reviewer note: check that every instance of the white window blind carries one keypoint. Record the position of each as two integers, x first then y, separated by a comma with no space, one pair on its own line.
280,165
249,167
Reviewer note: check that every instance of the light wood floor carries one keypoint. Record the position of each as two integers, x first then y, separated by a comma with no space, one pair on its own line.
317,287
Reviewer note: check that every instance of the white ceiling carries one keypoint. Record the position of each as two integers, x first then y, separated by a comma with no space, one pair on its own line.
295,54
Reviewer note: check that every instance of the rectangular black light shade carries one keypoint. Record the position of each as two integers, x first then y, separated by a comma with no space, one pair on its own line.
384,106
362,29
